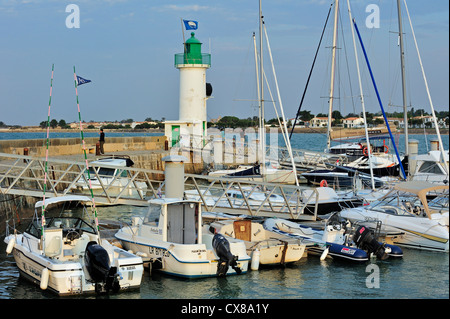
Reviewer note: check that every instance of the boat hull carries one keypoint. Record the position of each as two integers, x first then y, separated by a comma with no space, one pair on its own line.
336,178
183,260
277,253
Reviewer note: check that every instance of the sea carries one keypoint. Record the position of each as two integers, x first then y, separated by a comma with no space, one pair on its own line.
419,274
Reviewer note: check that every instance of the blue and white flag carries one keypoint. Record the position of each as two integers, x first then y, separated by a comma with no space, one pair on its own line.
80,80
190,24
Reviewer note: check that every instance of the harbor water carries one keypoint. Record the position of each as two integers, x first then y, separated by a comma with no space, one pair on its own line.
418,275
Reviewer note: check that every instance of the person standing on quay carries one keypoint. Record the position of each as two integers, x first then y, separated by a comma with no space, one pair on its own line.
102,141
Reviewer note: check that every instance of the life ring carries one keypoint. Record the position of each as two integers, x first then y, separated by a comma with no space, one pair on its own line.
365,151
323,183
386,148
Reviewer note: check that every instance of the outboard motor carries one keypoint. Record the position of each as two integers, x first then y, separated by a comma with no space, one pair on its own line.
364,239
226,258
98,266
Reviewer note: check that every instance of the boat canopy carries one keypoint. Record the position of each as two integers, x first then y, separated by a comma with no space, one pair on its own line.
420,189
60,199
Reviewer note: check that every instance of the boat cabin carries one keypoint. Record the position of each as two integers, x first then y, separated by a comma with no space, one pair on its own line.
175,220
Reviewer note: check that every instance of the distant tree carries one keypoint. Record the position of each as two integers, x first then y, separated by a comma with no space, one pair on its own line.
337,115
305,115
53,123
228,122
378,121
63,124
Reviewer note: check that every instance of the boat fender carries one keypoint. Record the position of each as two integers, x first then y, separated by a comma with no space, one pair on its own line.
323,183
325,253
44,279
255,259
10,246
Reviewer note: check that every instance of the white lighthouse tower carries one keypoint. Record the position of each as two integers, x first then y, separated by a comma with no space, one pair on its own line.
190,128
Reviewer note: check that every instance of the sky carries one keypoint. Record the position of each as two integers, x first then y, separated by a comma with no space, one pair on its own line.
127,47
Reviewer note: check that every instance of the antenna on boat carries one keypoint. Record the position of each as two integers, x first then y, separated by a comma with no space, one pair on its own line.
84,151
46,158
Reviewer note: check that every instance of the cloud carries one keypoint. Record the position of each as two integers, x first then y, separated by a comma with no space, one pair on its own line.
184,8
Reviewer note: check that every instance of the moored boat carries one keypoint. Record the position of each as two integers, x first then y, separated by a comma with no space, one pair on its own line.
107,175
172,239
265,247
406,217
338,239
63,253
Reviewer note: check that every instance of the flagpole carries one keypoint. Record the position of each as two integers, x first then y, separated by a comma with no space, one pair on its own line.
182,32
46,156
84,151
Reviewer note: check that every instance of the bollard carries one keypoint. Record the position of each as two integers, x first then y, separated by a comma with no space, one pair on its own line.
97,149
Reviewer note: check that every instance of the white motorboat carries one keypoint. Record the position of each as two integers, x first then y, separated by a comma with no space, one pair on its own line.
429,167
406,217
171,238
62,251
336,239
108,175
265,247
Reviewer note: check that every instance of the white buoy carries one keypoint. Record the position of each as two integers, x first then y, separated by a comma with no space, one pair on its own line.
44,279
255,259
10,246
324,254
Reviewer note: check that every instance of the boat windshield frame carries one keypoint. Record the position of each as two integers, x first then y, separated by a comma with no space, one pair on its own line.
398,205
71,214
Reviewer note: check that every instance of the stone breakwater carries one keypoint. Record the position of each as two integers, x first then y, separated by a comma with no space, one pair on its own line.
72,146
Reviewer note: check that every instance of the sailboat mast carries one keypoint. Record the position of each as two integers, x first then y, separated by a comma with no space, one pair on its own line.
333,65
441,146
261,83
369,151
402,64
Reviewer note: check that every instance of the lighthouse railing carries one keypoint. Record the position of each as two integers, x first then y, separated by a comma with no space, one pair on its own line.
181,59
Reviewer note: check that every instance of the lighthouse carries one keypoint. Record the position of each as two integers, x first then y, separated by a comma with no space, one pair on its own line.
190,128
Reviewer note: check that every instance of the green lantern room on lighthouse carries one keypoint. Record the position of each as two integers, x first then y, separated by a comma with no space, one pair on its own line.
192,53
